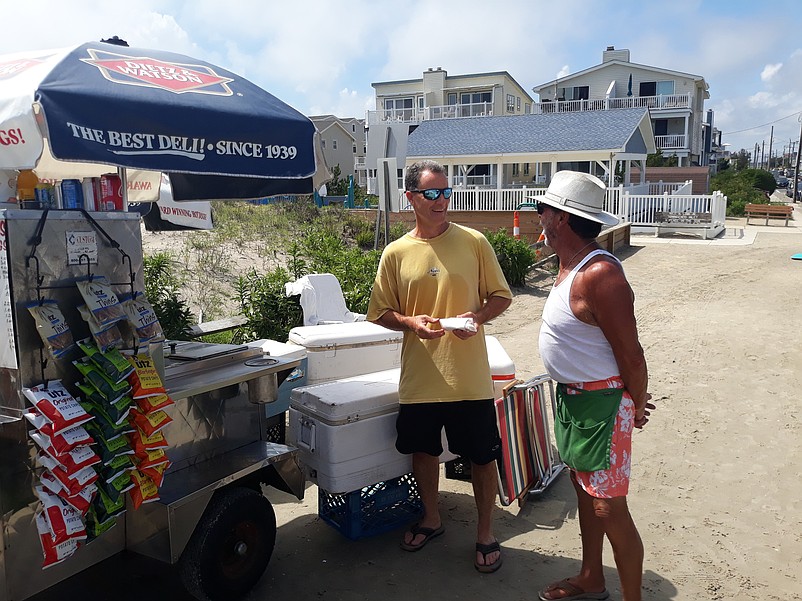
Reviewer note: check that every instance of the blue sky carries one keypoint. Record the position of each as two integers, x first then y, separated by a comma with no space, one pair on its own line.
321,56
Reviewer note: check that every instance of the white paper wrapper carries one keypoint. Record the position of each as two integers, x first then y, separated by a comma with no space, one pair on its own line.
458,323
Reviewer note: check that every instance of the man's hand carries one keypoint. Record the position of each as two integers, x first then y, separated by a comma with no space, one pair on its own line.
419,324
642,414
465,334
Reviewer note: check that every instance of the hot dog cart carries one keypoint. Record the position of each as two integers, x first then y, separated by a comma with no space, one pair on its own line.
98,108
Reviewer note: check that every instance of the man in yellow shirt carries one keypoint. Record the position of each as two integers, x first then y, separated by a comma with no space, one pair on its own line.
443,270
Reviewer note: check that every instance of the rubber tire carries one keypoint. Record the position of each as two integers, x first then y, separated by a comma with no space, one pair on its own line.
210,568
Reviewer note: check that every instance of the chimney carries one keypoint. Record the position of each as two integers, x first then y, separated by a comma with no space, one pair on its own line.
611,54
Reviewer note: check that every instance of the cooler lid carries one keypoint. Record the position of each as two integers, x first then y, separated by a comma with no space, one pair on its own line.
501,366
350,399
279,349
343,334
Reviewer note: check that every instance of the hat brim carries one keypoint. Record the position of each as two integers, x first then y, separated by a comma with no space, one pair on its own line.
600,217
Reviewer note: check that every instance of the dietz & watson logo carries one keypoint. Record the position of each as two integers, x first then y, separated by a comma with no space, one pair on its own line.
11,68
178,78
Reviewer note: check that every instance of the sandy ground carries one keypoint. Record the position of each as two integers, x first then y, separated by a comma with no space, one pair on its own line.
715,474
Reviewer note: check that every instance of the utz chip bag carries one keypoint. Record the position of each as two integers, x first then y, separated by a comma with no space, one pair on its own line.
95,402
111,362
150,458
72,483
102,426
145,380
110,389
149,404
109,450
149,423
57,405
118,465
72,461
100,299
141,441
106,508
52,327
95,527
142,318
144,490
156,472
53,552
64,522
106,337
64,441
81,501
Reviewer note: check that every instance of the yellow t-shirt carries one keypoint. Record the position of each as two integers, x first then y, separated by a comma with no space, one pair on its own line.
443,277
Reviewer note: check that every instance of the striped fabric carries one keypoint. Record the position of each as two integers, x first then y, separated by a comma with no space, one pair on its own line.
517,471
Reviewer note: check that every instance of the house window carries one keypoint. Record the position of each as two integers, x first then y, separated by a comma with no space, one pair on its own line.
353,148
322,143
353,127
420,102
510,103
452,98
527,108
526,168
515,169
518,104
575,93
399,108
334,144
656,88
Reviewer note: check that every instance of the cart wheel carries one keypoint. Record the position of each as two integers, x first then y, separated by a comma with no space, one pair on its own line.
230,547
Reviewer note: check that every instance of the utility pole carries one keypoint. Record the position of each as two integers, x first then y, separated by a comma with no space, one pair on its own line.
771,141
757,154
796,169
762,154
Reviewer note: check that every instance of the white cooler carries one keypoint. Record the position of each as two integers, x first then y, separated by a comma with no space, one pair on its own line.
345,431
342,350
502,367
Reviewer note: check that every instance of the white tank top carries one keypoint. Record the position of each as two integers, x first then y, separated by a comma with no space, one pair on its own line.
572,350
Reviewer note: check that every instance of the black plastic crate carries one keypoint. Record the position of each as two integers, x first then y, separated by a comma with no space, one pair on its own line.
458,469
372,510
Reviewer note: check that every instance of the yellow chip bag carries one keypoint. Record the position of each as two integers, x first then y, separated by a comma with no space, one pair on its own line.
145,380
144,490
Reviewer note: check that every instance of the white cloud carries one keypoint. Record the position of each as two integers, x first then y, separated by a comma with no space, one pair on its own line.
769,71
565,71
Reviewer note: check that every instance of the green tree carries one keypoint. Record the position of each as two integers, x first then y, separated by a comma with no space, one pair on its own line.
658,160
742,159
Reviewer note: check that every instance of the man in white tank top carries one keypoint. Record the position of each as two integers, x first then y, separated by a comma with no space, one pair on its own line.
589,342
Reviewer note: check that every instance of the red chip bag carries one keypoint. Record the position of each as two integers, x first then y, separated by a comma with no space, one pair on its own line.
53,553
64,521
149,423
150,458
156,472
141,441
74,483
149,404
63,442
145,380
57,405
71,461
144,490
81,501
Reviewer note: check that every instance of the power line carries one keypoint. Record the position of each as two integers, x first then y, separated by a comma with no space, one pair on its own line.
729,133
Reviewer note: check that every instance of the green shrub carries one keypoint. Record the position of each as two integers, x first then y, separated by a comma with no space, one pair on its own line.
514,256
739,188
161,289
269,311
760,179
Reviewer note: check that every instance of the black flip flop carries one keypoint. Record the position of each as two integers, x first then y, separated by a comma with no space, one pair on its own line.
486,550
427,533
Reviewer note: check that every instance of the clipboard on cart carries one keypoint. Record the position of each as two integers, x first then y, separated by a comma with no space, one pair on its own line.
529,459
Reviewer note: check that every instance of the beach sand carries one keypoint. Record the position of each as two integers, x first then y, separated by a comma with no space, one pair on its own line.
715,480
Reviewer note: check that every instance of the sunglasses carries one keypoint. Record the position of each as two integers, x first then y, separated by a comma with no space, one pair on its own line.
540,207
434,193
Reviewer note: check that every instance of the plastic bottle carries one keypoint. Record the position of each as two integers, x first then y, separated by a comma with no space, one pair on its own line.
26,185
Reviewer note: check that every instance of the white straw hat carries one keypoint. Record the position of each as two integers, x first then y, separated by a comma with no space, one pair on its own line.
580,194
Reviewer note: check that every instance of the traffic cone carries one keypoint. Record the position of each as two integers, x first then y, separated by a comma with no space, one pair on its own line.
516,226
539,250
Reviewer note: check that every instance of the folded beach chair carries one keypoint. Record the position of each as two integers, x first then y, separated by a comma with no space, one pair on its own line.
529,462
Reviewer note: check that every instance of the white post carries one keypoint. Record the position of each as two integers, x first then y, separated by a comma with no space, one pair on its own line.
625,206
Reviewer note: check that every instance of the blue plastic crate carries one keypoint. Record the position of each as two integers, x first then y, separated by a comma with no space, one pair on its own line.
372,510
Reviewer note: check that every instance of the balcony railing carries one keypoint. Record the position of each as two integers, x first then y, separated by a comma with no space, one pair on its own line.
450,111
670,141
655,103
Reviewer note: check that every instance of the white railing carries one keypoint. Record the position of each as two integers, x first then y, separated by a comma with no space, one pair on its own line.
662,187
450,111
670,141
641,210
664,102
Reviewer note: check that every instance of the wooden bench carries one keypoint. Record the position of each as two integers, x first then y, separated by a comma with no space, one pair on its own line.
760,210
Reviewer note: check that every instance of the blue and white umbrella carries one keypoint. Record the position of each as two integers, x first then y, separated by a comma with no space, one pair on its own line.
217,135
